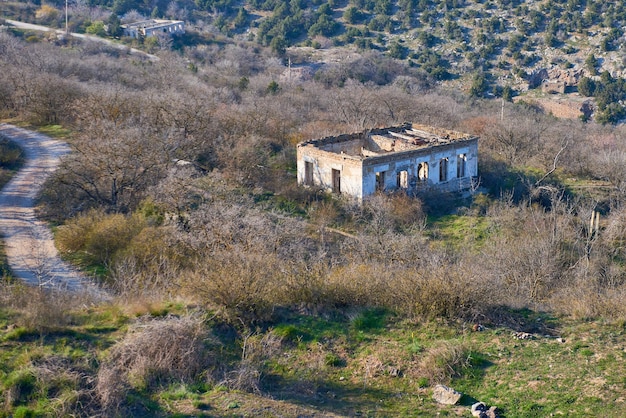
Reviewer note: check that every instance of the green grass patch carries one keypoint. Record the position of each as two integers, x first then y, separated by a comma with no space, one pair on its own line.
371,362
54,131
461,230
372,320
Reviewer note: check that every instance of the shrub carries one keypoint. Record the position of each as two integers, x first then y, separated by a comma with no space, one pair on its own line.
153,353
444,361
256,350
99,237
40,310
245,287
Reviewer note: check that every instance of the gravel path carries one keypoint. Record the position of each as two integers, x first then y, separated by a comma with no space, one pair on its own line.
29,247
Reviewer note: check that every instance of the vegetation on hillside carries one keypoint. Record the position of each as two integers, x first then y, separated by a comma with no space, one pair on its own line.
181,197
505,40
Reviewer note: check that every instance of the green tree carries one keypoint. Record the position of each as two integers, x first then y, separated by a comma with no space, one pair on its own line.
426,38
351,15
241,18
96,28
272,87
591,64
479,85
243,83
612,113
279,45
324,26
114,26
397,51
586,87
507,93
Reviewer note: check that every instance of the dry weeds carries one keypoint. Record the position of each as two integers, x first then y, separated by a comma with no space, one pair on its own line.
154,352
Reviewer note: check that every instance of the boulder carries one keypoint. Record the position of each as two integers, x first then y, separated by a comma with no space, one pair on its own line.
445,395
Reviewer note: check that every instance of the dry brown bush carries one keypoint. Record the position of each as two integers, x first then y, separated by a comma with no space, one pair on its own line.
99,236
246,287
150,265
399,213
585,301
256,349
154,352
444,361
41,310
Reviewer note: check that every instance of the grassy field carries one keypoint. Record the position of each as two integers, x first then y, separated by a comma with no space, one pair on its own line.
360,363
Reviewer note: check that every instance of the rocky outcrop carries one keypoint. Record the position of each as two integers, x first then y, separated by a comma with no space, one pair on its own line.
555,76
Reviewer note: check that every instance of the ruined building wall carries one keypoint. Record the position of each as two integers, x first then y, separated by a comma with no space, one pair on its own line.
323,163
334,164
392,164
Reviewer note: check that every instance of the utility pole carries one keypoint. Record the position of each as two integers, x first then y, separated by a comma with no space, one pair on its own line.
67,31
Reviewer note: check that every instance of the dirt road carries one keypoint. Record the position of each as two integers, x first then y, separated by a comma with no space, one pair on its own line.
40,28
29,246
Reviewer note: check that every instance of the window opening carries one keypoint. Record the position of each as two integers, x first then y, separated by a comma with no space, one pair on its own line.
443,169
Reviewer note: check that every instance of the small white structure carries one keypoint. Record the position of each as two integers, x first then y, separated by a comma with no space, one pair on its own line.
409,157
154,27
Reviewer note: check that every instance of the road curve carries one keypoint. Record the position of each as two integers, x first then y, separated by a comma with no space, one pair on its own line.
29,247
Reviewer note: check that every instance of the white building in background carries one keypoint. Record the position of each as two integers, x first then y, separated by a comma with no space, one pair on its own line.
409,157
154,27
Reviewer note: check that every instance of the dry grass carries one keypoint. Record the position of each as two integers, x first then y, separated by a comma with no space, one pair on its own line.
255,351
98,236
444,361
154,352
41,310
586,302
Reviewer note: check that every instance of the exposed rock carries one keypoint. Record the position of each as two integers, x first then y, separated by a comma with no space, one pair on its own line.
478,409
394,371
523,336
492,412
556,79
445,395
569,76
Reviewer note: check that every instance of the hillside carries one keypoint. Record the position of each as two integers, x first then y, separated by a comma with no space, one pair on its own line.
506,41
236,292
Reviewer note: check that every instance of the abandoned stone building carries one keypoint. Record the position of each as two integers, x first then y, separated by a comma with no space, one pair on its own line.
409,157
154,27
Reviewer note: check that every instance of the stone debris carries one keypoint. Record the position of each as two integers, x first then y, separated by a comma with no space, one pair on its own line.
445,395
480,410
523,336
